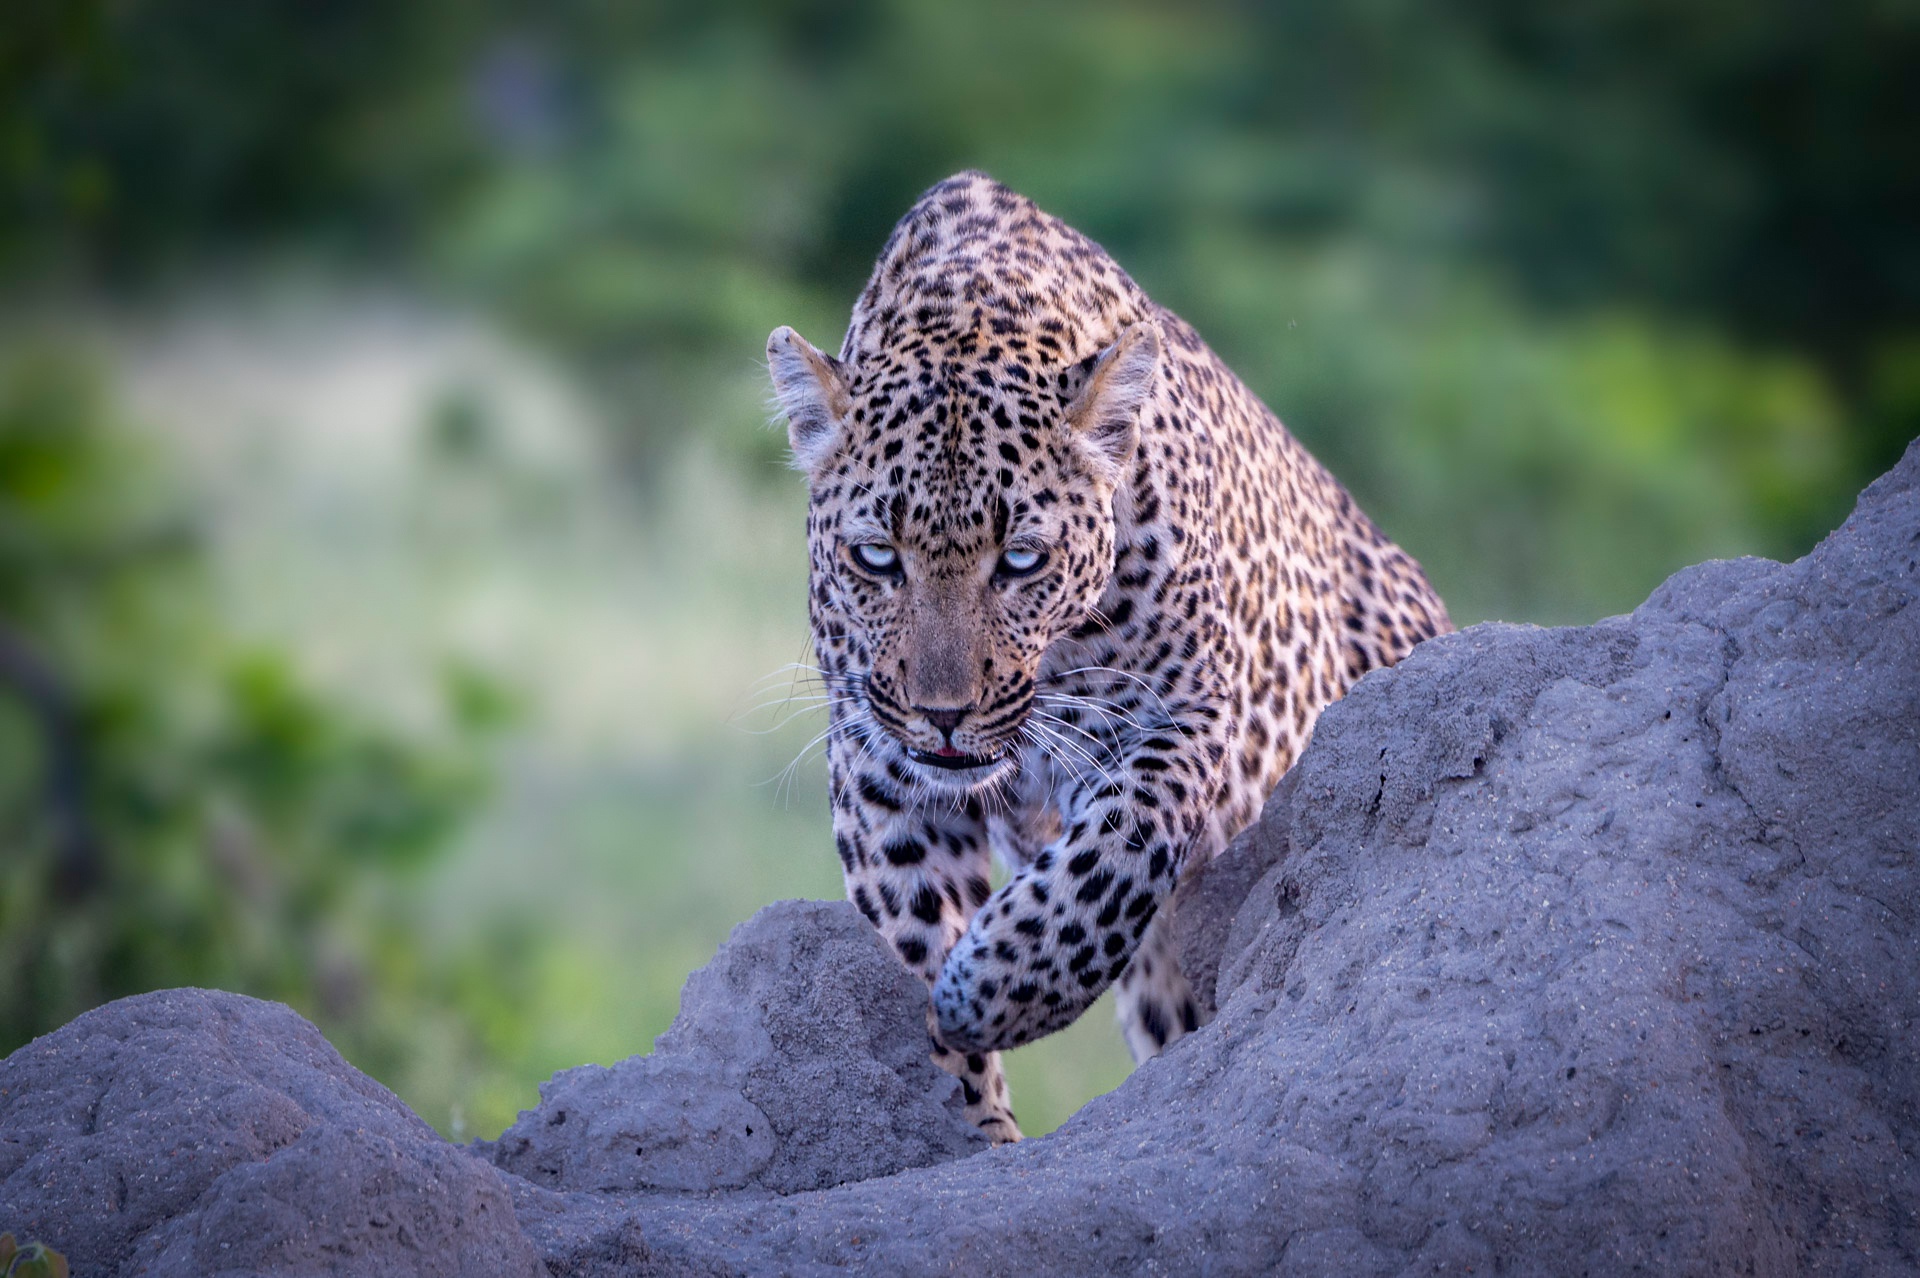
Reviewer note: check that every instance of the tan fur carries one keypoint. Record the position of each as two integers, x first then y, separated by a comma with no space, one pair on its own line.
1206,589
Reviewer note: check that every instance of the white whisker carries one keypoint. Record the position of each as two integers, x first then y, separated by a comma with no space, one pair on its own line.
1159,700
1068,744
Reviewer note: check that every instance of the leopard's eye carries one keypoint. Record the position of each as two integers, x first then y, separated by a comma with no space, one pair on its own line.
877,558
1021,562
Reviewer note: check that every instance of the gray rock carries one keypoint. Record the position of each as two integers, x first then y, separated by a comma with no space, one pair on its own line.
798,1061
1210,895
193,1132
1584,951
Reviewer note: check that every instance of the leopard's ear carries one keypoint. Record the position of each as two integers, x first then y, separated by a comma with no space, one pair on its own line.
812,389
1105,417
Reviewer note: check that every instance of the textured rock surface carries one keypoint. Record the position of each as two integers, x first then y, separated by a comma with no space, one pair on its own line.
1571,951
1210,896
192,1132
798,1061
1586,951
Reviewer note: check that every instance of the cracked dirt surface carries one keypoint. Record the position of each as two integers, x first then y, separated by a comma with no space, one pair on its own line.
1581,951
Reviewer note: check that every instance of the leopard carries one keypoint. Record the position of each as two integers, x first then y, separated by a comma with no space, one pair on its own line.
1077,598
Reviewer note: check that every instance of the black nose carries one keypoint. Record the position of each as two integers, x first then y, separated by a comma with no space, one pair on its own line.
945,719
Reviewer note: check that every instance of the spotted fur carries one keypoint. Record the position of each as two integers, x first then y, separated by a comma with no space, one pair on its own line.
1077,598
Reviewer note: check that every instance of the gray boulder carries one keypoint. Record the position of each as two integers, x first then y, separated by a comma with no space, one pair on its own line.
1584,951
798,1061
192,1132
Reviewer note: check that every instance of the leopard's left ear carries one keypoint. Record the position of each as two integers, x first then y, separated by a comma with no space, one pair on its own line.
1105,417
812,388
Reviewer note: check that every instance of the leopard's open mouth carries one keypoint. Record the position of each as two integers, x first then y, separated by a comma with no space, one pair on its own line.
949,758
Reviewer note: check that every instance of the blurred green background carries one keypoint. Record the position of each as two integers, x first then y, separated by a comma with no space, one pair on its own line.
396,565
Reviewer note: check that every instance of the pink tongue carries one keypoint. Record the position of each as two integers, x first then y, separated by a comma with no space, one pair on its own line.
947,752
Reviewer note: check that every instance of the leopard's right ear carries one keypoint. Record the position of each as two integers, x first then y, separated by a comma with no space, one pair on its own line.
1104,418
812,388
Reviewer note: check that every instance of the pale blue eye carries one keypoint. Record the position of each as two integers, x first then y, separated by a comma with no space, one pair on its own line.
876,557
1019,562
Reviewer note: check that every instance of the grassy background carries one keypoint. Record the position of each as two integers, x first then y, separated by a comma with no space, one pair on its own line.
397,569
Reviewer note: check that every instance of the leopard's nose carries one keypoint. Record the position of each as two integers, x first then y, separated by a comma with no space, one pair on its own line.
945,718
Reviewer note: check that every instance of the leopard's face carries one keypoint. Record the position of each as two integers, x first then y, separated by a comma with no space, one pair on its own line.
961,521
950,600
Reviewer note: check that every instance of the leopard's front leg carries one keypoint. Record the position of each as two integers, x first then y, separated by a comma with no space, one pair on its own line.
1046,945
918,872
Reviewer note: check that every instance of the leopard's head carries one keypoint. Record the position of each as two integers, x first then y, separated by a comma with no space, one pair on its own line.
961,521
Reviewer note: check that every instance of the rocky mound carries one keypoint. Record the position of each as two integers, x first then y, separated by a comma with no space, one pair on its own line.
1583,951
195,1132
802,1015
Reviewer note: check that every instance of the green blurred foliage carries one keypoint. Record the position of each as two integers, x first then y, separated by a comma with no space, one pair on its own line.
179,808
1570,295
1372,209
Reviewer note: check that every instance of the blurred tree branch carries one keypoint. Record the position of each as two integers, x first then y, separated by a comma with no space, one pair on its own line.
33,680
